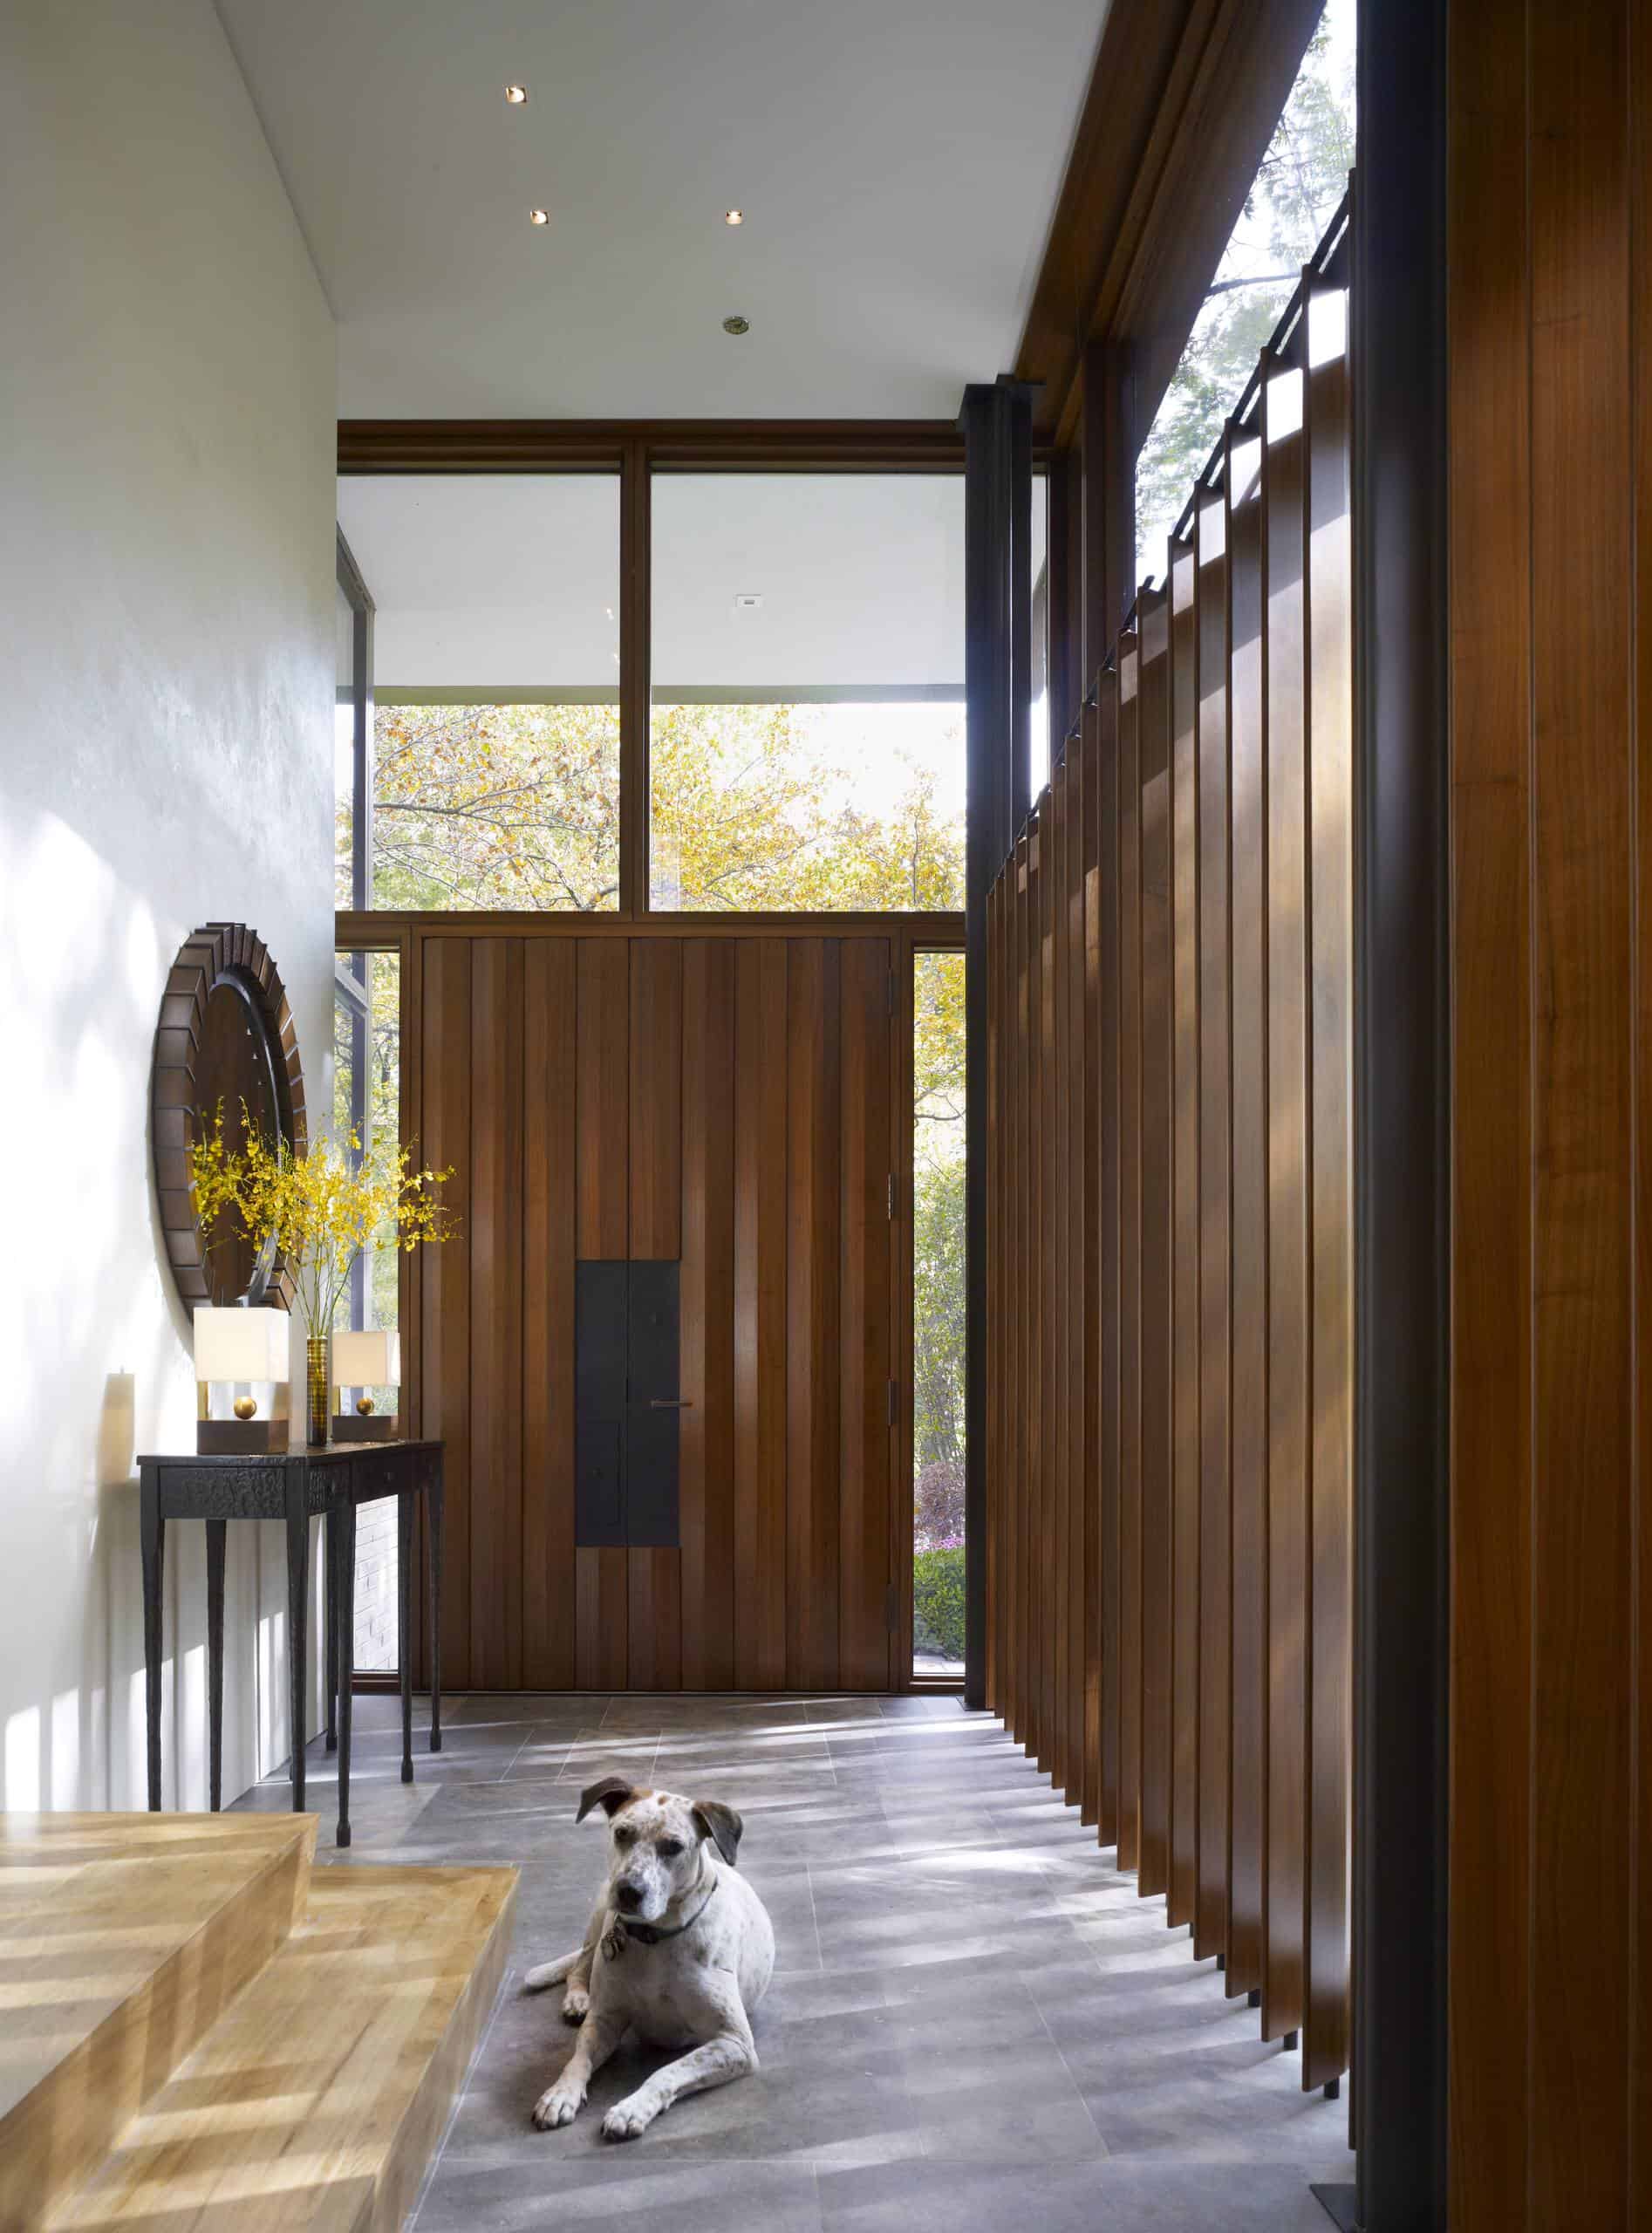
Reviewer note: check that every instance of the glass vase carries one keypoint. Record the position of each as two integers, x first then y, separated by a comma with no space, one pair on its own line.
316,1391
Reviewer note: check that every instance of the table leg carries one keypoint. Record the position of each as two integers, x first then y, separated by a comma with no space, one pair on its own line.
298,1486
332,1638
433,1506
154,1531
215,1531
343,1595
404,1623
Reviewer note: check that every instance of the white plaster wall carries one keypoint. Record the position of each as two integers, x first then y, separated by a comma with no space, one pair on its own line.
166,433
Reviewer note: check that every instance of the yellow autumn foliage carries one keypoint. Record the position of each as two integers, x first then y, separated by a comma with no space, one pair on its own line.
323,1208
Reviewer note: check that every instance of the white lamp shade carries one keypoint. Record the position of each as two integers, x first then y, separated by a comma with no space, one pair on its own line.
242,1345
371,1359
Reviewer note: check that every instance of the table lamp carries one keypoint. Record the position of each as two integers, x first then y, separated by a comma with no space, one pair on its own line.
365,1359
249,1347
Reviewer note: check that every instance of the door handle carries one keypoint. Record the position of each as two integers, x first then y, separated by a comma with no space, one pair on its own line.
671,1403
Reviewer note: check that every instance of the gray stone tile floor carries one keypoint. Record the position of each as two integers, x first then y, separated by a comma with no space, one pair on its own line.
975,2022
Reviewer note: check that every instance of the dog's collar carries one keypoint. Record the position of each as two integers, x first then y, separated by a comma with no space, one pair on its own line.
650,1934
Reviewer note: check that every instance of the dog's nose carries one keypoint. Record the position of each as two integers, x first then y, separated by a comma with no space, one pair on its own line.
630,1898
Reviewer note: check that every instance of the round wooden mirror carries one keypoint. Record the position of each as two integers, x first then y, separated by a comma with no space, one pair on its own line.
225,1040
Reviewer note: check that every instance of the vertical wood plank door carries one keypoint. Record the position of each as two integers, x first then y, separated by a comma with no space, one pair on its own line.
725,1104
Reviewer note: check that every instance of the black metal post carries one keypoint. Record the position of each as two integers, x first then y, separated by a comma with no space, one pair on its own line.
1402,1207
996,425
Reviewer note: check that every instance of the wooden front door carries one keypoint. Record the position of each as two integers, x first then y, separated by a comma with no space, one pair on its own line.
724,1103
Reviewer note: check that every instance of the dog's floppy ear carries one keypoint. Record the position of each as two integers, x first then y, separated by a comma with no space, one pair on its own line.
611,1794
713,1820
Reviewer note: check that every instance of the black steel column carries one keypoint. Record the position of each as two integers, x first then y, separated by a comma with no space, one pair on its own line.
1403,1202
996,422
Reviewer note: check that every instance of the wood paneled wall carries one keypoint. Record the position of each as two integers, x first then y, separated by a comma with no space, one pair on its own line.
725,1101
1170,1242
1550,367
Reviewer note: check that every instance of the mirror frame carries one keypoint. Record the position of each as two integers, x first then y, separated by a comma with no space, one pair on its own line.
233,955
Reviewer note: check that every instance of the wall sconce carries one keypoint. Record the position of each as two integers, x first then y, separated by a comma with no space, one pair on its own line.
366,1359
248,1347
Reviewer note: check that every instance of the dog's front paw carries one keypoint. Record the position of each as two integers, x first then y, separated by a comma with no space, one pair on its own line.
626,2119
557,2105
615,1940
575,2006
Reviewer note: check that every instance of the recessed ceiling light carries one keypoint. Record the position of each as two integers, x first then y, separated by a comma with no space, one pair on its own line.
737,325
734,216
539,216
517,95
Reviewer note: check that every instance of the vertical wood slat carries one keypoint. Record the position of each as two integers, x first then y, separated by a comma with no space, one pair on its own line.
1639,357
1215,1151
814,1023
1109,1121
998,1501
1088,1381
1330,838
1074,1374
1023,1200
1049,1168
1248,1353
1158,1237
1130,1240
1490,1757
1035,1735
1549,197
1287,1116
707,1490
864,1635
760,1296
654,1134
496,1502
1057,1248
653,1619
602,1101
654,1164
1583,1397
548,1311
445,1330
1185,1236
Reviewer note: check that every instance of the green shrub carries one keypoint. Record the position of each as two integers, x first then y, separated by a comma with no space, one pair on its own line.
938,1602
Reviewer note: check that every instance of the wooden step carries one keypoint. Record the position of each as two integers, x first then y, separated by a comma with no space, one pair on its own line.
123,1938
318,2097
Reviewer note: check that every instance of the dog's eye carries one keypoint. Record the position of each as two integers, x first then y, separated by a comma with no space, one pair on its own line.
624,1837
669,1848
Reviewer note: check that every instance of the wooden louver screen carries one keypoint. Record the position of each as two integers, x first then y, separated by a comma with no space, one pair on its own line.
1169,1262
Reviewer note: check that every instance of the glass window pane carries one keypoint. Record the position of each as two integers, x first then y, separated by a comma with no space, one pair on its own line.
367,1107
939,1302
495,758
1293,199
1039,720
344,736
807,736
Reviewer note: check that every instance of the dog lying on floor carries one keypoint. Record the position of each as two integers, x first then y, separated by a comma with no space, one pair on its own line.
680,1951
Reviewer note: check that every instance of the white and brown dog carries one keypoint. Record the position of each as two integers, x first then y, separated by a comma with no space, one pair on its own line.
680,1951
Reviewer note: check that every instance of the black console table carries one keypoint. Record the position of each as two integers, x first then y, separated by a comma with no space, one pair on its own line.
295,1486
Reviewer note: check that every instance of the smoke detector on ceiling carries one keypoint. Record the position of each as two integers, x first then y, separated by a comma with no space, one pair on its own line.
747,601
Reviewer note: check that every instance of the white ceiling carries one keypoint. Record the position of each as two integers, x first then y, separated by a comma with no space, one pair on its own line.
898,161
511,583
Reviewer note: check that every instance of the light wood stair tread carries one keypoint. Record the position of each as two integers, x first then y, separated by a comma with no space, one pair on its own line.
318,2098
122,1939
